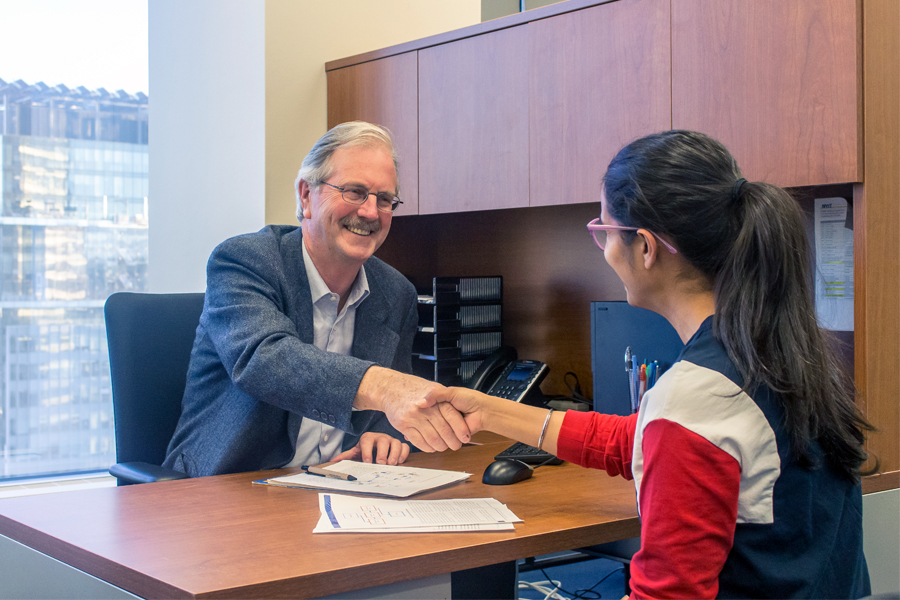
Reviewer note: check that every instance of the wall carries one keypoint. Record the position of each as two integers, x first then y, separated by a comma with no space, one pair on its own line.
881,540
207,133
300,38
494,9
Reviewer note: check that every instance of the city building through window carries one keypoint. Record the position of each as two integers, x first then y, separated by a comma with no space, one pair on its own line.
73,230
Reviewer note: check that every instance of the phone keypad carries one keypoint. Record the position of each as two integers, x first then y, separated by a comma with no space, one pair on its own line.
516,389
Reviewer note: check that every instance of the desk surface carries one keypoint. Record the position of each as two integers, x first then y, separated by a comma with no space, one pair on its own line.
224,537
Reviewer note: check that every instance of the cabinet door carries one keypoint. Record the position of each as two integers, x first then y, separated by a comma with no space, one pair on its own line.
473,123
599,79
775,81
383,92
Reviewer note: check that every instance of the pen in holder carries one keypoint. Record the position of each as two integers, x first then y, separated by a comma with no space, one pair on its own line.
640,377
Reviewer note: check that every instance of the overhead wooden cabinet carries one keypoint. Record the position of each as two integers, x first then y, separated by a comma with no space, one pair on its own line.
599,79
777,82
473,123
384,92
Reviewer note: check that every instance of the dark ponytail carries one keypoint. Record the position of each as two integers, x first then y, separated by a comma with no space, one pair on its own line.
747,240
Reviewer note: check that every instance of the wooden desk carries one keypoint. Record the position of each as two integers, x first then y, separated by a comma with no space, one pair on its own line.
218,537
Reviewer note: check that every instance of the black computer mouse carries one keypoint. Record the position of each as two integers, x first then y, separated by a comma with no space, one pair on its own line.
504,472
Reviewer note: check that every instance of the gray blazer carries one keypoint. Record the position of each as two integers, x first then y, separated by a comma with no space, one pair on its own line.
254,371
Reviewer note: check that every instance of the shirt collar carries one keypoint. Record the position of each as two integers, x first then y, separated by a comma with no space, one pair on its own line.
318,288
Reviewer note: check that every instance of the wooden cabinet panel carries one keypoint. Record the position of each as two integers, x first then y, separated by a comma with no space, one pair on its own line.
600,77
876,215
473,123
383,92
777,82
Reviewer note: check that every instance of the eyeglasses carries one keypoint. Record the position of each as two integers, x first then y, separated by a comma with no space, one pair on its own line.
598,232
355,194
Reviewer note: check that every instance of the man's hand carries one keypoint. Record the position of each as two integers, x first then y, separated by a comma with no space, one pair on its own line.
466,401
384,449
430,428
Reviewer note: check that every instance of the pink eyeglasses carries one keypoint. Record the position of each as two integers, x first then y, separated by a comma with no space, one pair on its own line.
598,232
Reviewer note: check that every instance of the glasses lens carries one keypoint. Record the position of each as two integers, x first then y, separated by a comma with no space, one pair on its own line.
355,195
387,202
600,238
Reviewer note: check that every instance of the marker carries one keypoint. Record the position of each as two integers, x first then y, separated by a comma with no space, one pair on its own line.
326,473
651,371
643,384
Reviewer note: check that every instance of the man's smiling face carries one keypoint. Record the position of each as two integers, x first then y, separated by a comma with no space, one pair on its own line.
343,235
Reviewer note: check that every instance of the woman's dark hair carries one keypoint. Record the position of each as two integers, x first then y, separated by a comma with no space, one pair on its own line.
750,244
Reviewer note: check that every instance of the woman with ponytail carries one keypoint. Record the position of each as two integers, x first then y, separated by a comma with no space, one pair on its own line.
746,454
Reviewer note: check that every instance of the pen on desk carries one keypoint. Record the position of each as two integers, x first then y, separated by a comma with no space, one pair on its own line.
326,473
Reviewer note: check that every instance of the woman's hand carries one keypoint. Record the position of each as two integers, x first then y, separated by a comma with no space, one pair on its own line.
376,447
468,402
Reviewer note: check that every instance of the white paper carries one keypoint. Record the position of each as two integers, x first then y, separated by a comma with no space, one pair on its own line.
351,512
834,265
324,526
385,480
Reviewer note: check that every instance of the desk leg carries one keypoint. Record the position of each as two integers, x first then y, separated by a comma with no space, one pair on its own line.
494,582
27,573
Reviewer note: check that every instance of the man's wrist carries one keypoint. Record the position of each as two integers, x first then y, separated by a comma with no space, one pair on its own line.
369,395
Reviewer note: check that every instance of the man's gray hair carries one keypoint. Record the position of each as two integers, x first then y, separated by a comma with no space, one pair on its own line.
317,167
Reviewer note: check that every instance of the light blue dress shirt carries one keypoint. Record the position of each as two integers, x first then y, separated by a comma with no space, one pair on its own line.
317,442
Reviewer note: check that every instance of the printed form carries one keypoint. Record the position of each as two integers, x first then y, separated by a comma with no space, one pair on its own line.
384,480
834,264
350,514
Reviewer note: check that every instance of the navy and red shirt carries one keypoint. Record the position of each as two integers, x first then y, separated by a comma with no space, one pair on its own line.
725,510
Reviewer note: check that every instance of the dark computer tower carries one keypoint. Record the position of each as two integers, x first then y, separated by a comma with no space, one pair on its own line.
614,327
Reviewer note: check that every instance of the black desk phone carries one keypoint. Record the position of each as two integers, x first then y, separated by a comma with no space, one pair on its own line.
502,375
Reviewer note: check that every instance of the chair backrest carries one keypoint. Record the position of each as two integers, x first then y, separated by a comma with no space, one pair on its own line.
150,337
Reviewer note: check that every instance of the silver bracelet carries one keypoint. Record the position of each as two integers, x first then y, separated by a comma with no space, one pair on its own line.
544,430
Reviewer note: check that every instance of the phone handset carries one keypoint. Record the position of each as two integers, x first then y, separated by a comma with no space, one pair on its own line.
502,375
491,367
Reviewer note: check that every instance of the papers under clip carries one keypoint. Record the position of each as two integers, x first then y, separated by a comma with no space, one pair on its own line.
834,264
348,514
383,480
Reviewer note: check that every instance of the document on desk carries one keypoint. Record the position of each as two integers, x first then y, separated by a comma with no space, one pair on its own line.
349,514
383,480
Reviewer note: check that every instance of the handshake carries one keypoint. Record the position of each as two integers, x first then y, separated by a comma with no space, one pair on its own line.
432,417
435,418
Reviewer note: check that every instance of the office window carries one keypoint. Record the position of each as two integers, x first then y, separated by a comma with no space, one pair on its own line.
73,222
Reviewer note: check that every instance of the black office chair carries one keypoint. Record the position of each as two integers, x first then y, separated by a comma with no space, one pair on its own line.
150,337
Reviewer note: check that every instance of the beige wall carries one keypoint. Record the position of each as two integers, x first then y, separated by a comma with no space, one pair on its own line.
301,36
207,141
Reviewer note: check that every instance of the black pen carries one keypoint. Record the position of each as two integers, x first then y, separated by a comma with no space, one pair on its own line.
326,473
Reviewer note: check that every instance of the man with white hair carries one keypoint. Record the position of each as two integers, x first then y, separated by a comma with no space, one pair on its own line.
305,339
